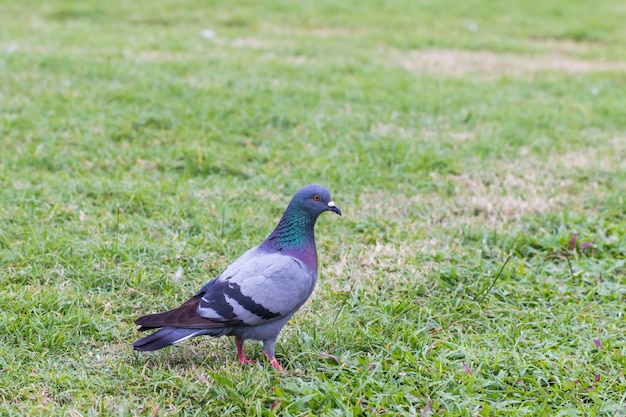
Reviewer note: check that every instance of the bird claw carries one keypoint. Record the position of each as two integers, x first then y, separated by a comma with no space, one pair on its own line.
240,353
274,363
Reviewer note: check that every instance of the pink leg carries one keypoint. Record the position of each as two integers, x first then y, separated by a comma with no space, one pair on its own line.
240,353
274,362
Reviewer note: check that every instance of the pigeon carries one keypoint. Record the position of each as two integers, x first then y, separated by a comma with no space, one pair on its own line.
258,293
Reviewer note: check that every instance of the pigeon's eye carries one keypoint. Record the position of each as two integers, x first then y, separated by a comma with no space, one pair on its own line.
316,197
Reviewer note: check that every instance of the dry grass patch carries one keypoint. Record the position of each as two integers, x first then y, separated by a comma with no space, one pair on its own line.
513,190
480,197
458,63
566,46
361,270
610,157
433,132
499,200
501,196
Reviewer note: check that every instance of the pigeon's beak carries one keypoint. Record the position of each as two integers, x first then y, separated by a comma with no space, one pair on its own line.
332,207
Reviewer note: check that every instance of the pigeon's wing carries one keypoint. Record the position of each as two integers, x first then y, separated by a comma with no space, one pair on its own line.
267,287
259,288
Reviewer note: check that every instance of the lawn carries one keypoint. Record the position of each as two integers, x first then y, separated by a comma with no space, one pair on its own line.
477,150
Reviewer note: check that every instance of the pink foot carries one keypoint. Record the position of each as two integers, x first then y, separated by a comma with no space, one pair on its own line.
274,363
240,353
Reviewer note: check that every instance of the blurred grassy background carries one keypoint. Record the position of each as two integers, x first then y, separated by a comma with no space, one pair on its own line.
136,137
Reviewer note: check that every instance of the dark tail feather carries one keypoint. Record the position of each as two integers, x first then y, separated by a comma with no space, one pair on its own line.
165,337
185,316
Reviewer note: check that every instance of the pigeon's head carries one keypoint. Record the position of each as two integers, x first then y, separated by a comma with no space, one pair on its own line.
315,199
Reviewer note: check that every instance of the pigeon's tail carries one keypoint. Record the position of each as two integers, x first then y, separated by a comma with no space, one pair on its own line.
168,336
184,317
165,337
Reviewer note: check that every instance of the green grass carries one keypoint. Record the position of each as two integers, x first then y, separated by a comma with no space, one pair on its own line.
451,134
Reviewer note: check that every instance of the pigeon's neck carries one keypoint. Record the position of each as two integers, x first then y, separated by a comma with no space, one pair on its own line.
294,234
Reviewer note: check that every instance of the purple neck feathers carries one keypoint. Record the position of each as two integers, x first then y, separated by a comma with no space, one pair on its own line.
294,236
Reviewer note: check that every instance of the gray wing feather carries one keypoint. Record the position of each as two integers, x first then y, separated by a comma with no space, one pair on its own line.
262,287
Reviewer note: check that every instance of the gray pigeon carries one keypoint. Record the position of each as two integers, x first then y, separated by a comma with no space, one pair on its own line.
256,295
